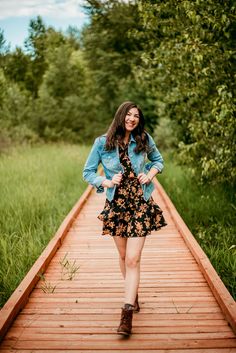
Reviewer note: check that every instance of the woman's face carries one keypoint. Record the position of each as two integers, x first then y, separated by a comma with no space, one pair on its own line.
131,119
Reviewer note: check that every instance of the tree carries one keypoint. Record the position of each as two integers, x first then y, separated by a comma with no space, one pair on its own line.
17,66
188,60
4,49
36,47
111,54
59,109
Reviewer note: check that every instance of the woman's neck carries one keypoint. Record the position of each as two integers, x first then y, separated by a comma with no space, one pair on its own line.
127,136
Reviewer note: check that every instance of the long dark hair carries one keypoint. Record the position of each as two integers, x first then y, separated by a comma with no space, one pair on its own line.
116,131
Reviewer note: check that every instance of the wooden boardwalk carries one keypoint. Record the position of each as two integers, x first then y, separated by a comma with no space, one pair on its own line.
178,292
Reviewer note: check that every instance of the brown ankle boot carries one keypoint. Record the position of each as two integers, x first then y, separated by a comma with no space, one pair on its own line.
125,322
136,305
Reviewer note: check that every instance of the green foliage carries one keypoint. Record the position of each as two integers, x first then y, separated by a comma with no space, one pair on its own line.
16,68
65,66
188,60
164,134
36,45
59,112
14,114
45,88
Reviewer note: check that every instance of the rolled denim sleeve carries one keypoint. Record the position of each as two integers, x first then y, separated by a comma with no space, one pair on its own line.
91,166
155,157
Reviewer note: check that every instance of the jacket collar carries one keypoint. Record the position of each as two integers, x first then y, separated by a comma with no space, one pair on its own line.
132,139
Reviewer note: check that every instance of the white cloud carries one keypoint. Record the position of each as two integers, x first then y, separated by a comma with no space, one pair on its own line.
60,9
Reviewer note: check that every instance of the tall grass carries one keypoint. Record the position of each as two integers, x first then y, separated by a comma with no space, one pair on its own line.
38,187
209,212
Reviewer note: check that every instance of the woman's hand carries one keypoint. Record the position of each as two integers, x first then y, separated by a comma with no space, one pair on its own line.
116,178
115,181
143,178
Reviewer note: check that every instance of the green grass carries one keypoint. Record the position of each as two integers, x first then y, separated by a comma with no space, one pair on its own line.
209,212
38,188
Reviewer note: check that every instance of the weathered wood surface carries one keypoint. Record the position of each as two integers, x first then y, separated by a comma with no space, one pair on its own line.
182,309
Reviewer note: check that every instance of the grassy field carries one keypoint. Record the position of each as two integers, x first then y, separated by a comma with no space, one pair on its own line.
38,188
40,185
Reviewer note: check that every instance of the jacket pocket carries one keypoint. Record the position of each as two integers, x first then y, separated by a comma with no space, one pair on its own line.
111,163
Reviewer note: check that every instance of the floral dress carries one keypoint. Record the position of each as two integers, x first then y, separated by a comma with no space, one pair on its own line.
128,214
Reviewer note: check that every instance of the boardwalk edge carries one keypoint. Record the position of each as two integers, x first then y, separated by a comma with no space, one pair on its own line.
19,297
220,292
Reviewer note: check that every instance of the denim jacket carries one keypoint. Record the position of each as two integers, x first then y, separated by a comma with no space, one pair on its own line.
111,164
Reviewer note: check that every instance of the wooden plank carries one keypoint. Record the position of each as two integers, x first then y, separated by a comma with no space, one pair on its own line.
101,330
73,321
116,310
200,350
61,335
122,344
40,326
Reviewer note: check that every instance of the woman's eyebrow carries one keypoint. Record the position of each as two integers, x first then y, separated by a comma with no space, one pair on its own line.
134,114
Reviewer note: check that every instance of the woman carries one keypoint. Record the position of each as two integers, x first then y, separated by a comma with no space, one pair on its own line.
130,213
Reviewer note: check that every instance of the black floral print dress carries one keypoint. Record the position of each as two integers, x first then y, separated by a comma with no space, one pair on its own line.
128,214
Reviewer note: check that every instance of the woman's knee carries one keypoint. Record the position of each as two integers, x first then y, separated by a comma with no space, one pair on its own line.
132,261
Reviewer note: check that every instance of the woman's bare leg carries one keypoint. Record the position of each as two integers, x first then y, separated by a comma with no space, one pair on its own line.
121,247
134,249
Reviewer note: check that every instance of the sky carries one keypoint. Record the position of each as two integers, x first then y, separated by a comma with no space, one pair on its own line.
16,14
